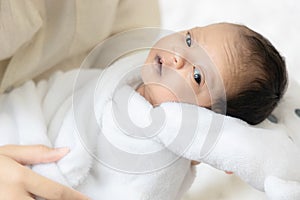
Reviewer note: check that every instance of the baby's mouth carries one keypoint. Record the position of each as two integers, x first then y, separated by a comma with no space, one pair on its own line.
158,63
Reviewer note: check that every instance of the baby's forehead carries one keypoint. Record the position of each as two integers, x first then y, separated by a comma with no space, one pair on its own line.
221,42
227,29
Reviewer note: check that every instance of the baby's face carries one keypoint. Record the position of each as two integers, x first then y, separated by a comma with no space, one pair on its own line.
176,70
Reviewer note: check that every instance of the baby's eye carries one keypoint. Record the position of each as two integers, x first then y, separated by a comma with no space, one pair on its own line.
188,39
197,75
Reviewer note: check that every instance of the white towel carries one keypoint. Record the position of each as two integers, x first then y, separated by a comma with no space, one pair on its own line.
74,109
41,114
91,117
266,159
130,163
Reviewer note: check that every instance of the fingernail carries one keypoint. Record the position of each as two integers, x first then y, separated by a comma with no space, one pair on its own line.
63,150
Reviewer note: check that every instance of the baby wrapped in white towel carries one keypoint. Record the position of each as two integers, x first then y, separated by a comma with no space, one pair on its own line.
103,162
110,158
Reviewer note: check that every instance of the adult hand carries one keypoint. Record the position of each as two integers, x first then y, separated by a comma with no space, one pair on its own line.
19,182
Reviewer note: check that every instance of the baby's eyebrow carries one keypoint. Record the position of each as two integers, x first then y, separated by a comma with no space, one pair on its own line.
184,32
196,37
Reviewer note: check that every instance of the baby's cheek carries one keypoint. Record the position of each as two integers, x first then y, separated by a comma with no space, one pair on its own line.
204,98
162,94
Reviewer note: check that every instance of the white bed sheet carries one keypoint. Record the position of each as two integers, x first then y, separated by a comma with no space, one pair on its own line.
276,20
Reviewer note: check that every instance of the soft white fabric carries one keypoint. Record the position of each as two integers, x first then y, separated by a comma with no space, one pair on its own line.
130,171
61,112
254,154
51,113
267,159
42,114
278,189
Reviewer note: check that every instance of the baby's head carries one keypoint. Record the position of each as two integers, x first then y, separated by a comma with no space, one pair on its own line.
252,71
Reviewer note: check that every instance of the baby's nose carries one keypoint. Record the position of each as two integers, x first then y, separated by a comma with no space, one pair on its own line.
173,60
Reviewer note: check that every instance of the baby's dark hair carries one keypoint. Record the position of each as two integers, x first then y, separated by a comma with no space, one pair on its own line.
263,76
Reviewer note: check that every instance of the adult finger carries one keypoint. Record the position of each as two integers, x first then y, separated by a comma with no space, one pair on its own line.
195,162
45,188
33,154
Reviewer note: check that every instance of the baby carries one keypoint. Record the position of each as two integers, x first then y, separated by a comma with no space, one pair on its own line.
248,67
252,71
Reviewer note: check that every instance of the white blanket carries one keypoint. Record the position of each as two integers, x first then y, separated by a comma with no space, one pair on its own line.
74,109
120,144
41,114
268,160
